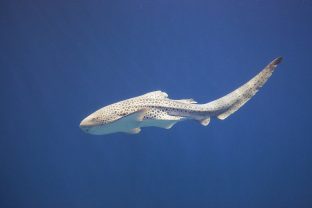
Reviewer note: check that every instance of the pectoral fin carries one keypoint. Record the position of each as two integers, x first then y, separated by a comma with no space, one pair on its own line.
130,123
135,116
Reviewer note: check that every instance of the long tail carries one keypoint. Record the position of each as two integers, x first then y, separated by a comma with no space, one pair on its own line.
225,106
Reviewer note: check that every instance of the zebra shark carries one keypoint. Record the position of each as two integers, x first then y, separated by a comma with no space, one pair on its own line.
156,109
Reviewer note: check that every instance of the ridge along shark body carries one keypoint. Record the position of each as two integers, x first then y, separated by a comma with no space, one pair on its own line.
156,109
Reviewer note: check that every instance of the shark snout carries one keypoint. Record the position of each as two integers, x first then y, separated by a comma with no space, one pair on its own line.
87,123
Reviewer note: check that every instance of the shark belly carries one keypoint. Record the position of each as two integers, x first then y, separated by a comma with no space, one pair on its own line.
166,124
115,127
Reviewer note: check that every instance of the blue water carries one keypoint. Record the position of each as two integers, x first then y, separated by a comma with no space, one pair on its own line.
61,60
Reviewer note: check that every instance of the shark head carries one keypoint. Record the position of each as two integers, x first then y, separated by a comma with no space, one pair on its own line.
100,122
112,119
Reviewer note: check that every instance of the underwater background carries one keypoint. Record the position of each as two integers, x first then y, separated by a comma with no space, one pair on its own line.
62,60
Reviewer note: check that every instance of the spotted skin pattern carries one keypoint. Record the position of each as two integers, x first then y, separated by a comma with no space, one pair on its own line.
156,109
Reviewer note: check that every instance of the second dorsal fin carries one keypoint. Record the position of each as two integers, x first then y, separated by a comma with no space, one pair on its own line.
187,101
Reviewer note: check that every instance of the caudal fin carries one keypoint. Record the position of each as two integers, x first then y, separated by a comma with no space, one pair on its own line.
225,106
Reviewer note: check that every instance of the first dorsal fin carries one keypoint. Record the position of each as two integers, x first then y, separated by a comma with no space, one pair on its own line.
155,95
